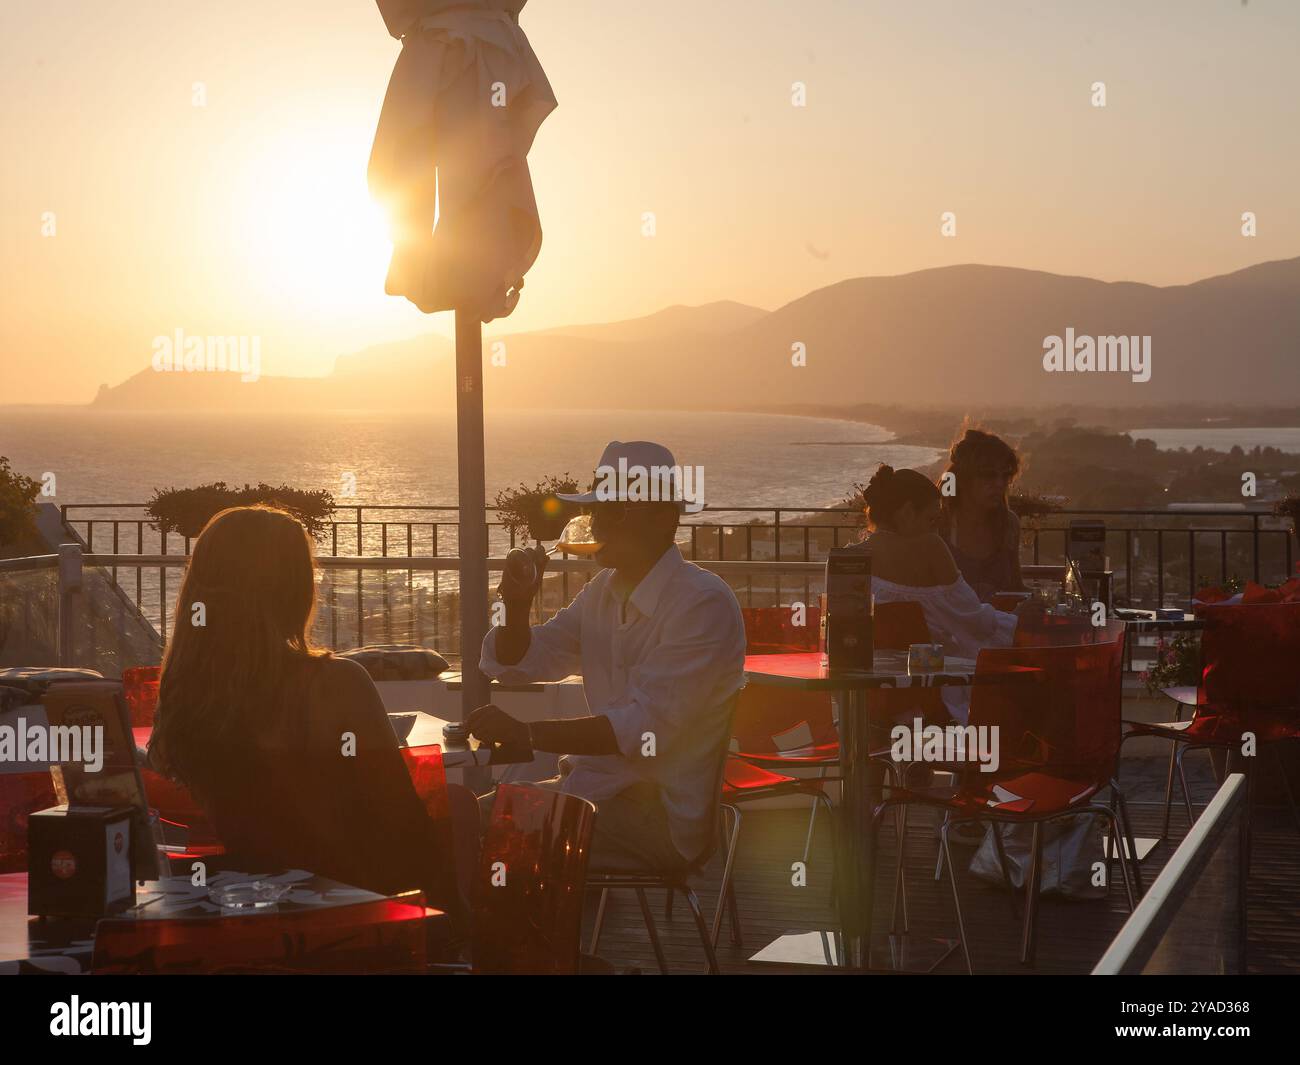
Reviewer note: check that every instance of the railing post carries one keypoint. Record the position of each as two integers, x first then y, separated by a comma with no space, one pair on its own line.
1255,535
70,584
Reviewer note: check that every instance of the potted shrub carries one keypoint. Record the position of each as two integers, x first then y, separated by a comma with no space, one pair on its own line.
18,494
535,509
1289,507
187,510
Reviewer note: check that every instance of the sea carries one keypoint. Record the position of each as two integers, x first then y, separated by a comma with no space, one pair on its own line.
760,460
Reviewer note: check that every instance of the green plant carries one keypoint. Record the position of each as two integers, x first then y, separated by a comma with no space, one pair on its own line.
1028,506
1232,584
1289,507
188,510
536,509
856,503
1177,664
18,494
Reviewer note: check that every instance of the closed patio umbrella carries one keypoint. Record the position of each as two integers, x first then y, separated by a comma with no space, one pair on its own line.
450,165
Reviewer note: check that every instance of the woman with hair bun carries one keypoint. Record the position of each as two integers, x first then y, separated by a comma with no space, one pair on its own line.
976,522
910,561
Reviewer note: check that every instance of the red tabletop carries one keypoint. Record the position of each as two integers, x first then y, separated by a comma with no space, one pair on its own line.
805,670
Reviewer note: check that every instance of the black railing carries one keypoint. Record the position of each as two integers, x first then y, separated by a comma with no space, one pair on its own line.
1158,557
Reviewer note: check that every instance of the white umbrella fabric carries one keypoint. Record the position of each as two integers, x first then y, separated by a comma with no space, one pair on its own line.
450,164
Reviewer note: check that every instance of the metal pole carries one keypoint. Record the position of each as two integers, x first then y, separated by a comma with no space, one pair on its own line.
473,509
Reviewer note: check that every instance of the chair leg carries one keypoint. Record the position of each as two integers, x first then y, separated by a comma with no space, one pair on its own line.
693,901
1115,825
812,824
600,923
868,888
1182,780
650,928
733,907
1027,938
1169,778
996,829
726,892
900,885
938,862
956,897
1134,863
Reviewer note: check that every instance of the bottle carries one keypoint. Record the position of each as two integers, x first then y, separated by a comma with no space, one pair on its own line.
520,567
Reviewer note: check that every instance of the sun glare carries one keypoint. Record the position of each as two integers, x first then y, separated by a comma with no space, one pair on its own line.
316,240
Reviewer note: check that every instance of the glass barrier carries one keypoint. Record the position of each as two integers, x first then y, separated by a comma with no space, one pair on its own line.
1193,918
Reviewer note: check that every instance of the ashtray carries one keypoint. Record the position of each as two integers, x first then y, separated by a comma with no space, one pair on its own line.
248,895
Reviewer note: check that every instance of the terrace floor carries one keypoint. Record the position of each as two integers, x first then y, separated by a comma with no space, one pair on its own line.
1072,935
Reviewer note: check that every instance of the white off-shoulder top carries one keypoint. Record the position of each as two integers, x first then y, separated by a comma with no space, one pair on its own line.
956,619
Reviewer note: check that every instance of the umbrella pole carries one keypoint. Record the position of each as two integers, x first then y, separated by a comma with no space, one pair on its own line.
473,543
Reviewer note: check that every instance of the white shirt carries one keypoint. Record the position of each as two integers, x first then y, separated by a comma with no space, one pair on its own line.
956,619
662,664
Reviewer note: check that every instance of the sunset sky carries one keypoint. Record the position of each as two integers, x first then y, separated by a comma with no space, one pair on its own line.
250,215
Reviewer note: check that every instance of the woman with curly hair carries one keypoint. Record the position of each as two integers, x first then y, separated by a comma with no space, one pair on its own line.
976,521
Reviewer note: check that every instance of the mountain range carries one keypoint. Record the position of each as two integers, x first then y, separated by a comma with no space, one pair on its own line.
947,336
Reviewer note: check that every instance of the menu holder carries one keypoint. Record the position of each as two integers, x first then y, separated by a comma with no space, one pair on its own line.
100,706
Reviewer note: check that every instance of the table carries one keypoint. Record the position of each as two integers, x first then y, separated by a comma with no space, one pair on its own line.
889,670
426,730
65,945
1141,626
465,754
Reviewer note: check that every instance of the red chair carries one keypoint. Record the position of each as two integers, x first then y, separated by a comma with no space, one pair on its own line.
377,936
529,893
21,795
1060,735
140,689
1250,683
430,779
776,729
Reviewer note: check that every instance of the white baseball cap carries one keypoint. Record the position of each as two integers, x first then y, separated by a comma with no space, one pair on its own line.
622,464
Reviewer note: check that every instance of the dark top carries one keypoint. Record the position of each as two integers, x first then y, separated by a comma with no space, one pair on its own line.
998,572
293,800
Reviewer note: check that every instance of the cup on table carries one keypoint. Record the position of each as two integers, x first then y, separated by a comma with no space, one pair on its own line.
924,658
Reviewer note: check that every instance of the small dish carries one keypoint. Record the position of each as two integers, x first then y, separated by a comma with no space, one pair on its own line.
248,895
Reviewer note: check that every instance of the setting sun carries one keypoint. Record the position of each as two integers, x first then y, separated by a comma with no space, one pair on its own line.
315,238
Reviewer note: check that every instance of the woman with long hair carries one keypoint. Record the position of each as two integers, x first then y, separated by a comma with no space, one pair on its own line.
287,748
977,522
910,562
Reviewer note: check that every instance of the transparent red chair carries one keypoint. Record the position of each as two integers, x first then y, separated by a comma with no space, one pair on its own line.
385,935
1057,712
778,729
528,896
140,689
430,778
1250,684
21,795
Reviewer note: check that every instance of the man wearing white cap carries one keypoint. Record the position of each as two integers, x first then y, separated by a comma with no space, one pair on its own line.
661,648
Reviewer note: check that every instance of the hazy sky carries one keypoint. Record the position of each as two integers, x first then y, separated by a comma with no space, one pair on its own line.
250,215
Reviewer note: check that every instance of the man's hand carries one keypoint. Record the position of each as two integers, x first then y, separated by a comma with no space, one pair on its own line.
491,724
1031,609
512,590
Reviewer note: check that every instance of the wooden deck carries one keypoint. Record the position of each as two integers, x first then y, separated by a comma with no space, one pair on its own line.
1072,935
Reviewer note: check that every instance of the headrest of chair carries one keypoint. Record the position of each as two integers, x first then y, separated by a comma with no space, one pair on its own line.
34,680
397,661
